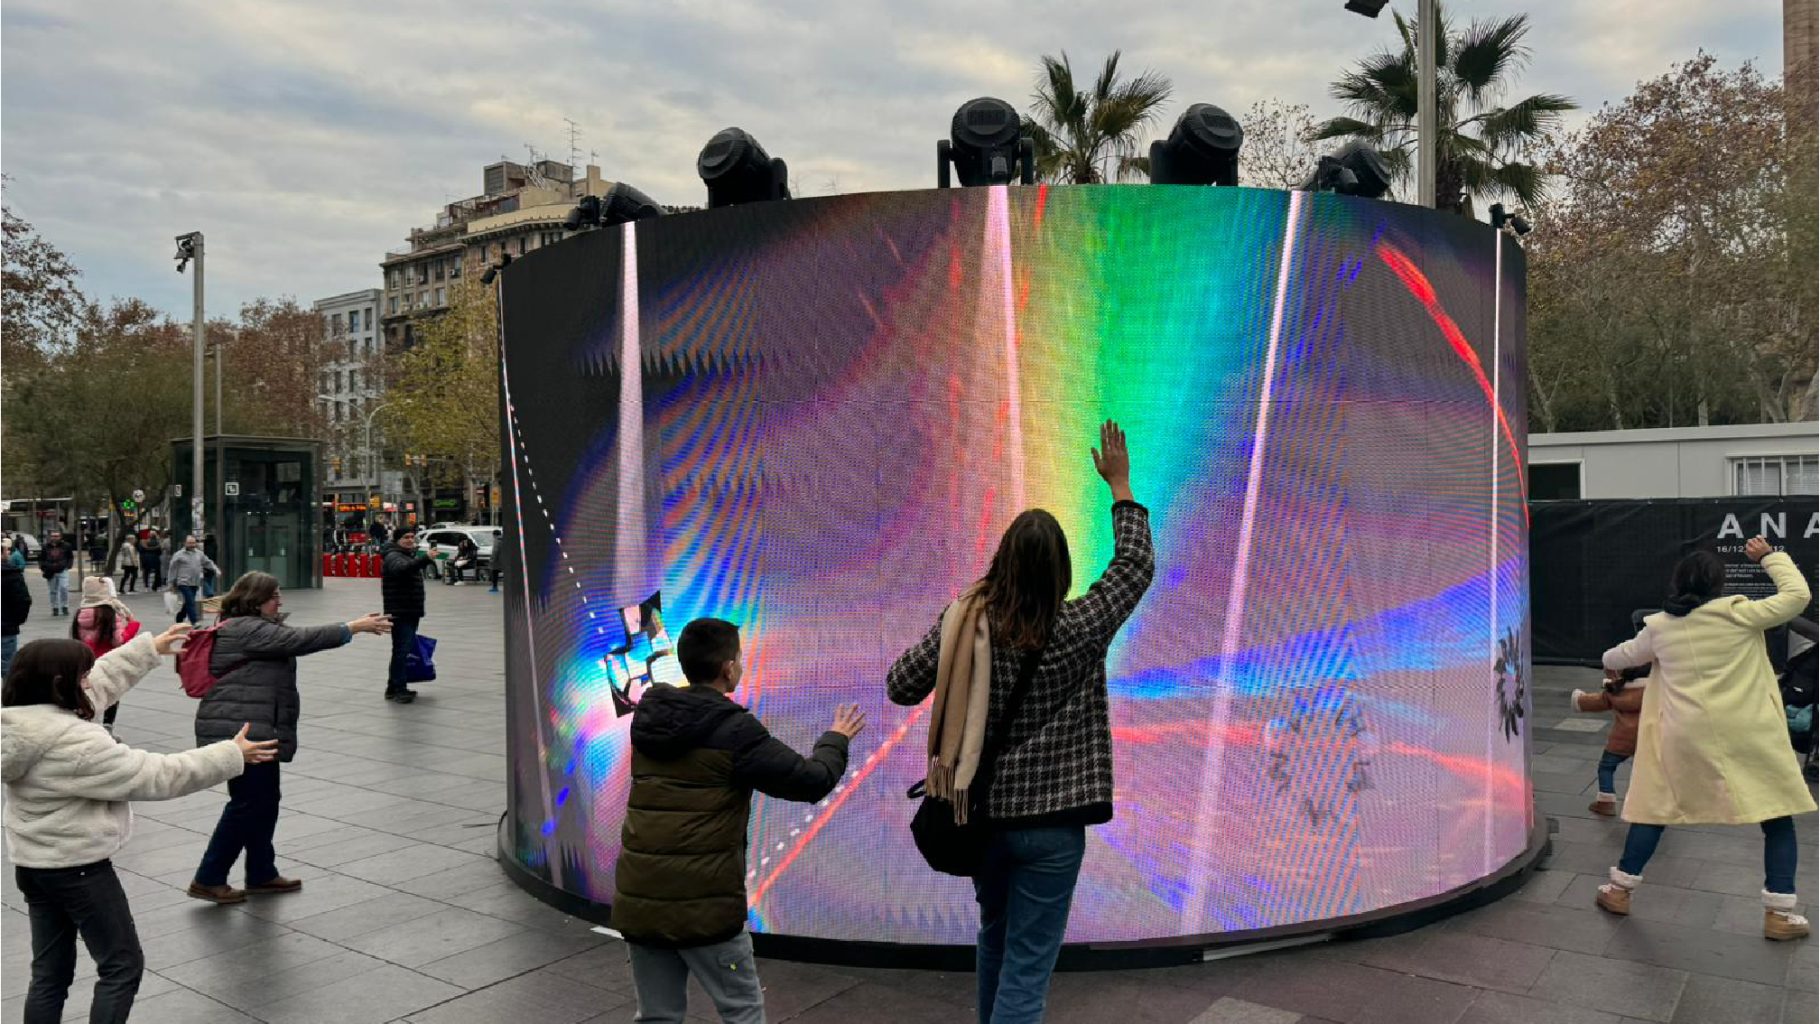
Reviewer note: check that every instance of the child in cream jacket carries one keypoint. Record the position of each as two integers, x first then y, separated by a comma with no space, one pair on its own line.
68,783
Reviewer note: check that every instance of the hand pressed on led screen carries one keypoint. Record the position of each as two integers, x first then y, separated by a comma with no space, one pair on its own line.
848,720
1113,461
1756,548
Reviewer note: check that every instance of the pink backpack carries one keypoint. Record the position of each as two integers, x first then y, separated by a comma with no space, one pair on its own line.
193,662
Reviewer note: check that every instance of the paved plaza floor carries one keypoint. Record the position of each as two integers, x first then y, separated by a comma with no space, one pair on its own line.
389,816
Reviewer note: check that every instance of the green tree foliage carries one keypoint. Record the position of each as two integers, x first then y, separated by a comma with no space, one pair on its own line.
1672,278
1482,144
442,395
1081,134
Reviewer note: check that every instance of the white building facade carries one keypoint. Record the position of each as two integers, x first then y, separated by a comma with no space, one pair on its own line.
350,388
1677,462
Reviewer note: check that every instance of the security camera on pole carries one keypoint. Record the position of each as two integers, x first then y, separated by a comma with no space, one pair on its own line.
189,247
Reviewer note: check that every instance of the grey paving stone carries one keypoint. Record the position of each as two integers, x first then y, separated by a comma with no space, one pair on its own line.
414,861
371,997
322,892
525,999
1465,959
867,1003
1227,1010
182,1006
431,937
1707,999
1615,986
1354,993
368,915
1704,951
219,935
508,957
1583,930
1800,1008
1652,902
1505,1008
1544,886
218,979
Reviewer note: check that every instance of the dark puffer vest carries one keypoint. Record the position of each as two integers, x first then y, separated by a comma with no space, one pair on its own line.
696,758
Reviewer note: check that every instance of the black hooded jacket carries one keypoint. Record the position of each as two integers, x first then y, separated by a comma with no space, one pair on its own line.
696,758
18,599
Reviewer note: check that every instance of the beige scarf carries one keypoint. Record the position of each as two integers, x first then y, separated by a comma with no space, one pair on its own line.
957,724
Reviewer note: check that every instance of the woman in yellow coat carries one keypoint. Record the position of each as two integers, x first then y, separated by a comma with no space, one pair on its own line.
1712,748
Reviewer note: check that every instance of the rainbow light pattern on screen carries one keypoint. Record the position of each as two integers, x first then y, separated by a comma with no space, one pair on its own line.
814,418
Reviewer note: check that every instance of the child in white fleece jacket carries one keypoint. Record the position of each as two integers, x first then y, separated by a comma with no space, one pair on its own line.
67,787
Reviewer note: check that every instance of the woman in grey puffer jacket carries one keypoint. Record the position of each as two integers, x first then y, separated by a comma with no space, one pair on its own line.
255,666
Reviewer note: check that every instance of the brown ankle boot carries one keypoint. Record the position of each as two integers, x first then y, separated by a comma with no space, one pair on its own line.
1780,922
1614,896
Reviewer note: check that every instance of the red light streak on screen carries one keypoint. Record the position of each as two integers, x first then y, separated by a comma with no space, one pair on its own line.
1424,292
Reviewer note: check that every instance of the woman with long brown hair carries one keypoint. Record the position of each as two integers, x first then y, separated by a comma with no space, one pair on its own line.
1051,775
255,666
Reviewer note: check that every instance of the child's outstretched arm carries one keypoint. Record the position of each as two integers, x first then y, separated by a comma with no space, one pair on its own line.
120,669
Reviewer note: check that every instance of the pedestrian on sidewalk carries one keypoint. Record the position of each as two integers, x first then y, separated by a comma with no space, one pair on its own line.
1712,738
103,623
54,561
401,590
68,784
680,884
1038,798
187,570
15,607
255,667
129,564
1622,695
151,560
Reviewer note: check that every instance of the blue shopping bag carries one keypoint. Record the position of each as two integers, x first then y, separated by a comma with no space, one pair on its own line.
420,662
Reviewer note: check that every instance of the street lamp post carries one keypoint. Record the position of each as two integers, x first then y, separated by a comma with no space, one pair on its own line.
189,247
1428,25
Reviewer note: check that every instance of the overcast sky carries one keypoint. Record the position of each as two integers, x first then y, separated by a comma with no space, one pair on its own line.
306,139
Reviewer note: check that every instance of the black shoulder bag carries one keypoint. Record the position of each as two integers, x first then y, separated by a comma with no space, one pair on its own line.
961,849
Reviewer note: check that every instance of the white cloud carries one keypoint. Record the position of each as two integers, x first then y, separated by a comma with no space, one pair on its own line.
307,138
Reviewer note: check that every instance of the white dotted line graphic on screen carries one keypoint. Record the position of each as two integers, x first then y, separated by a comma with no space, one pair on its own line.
524,450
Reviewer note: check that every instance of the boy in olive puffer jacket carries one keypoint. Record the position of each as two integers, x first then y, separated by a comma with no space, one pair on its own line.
680,885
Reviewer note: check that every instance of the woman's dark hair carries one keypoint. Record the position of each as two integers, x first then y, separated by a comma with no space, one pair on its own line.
1028,580
50,672
105,621
1697,579
248,593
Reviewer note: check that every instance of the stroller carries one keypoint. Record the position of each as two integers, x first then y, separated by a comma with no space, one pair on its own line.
1798,697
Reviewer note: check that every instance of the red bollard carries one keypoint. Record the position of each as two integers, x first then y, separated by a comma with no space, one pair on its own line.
325,566
373,563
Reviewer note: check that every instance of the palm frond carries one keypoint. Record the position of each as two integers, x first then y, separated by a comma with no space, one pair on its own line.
1382,87
1531,119
1486,52
1525,181
1109,76
1132,166
1347,128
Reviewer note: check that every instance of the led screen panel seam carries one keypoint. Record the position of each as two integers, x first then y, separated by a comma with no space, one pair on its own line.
814,418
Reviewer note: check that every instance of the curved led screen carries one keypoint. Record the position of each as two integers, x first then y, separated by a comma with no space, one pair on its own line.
815,417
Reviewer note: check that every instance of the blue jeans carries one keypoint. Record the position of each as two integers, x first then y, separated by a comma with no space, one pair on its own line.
190,609
1781,852
60,590
404,637
1608,772
1024,894
247,823
9,646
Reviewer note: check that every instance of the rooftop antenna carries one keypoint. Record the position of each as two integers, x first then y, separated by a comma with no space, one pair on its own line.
574,142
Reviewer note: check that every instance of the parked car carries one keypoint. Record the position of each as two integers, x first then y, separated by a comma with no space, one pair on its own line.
447,538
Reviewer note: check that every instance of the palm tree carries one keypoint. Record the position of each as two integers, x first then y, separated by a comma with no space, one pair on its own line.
1078,134
1480,144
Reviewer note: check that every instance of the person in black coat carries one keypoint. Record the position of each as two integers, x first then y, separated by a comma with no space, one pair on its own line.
15,605
401,585
255,666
